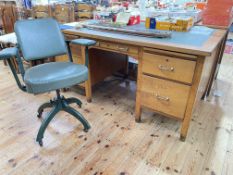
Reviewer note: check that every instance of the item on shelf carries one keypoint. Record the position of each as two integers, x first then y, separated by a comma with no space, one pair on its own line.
103,15
109,13
150,23
41,11
128,18
84,11
64,13
195,5
195,14
85,15
85,7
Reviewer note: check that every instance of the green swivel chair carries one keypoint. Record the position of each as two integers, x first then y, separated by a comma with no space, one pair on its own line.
42,38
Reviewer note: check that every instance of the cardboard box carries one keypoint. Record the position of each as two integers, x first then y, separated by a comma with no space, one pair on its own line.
181,24
163,25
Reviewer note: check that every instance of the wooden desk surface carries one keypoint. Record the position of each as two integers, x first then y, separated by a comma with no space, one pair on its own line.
205,49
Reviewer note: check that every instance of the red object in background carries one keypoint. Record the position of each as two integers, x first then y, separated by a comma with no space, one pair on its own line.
199,5
125,4
218,13
114,18
134,20
161,5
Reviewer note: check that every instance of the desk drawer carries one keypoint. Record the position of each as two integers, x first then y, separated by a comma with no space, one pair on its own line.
164,96
108,45
127,49
121,48
168,67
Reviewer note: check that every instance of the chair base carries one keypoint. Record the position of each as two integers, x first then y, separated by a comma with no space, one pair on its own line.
60,103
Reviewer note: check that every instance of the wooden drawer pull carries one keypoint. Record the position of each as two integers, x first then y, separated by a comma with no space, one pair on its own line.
123,49
165,68
162,98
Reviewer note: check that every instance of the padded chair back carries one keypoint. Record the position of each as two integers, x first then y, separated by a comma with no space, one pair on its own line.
40,38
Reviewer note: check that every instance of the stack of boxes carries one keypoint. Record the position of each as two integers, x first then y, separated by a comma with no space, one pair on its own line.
41,11
218,13
64,13
84,11
179,24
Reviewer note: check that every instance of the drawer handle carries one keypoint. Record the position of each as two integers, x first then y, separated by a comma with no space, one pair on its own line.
162,98
123,49
166,68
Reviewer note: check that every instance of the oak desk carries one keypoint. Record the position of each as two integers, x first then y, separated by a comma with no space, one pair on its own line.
173,74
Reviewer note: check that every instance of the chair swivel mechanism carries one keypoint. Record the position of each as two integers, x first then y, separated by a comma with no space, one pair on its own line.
42,38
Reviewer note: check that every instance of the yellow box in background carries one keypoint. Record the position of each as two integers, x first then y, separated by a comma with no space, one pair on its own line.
147,23
186,23
177,28
179,24
163,25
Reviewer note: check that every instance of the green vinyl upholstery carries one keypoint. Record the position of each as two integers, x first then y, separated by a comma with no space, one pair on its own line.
8,53
40,38
53,76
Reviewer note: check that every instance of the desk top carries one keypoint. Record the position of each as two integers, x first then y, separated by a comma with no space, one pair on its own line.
199,40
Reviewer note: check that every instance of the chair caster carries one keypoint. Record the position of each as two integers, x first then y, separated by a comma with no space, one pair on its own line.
89,100
86,130
40,143
39,114
182,138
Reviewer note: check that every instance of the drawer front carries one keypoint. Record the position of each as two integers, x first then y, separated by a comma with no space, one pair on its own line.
168,67
120,48
108,45
164,96
71,37
127,49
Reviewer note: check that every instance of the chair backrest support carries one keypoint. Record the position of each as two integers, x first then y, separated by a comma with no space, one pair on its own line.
40,38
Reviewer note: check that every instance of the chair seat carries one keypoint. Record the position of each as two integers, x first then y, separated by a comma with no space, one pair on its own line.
52,76
8,53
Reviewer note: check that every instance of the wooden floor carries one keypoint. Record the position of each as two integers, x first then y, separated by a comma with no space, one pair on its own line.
116,144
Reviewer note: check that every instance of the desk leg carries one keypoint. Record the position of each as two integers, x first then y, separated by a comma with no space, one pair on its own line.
138,107
216,67
5,63
88,90
221,54
192,99
88,85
